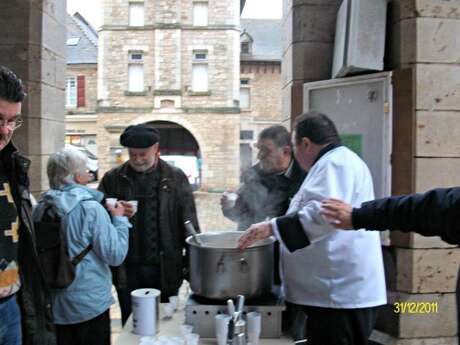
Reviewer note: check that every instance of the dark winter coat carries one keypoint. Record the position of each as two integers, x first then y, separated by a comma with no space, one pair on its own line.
434,213
176,205
264,195
34,298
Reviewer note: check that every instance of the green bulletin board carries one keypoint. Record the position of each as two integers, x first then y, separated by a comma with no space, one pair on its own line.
354,142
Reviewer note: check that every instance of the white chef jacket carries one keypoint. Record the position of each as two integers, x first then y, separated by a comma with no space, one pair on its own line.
338,269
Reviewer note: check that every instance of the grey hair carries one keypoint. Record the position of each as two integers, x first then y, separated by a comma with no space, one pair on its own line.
64,165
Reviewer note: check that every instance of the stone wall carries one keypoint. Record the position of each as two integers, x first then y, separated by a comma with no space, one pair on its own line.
167,41
164,72
210,214
33,46
424,45
308,47
217,136
223,12
265,90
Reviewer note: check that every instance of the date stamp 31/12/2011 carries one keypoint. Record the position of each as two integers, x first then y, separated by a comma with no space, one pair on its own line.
415,307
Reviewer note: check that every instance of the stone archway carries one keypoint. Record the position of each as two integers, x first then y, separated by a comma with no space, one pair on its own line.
180,148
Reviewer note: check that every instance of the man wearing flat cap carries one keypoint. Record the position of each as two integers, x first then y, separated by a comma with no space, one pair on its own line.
156,256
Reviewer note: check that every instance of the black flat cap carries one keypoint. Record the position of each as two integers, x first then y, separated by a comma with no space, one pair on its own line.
139,136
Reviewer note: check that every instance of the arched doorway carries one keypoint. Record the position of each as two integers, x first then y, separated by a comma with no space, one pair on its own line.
179,148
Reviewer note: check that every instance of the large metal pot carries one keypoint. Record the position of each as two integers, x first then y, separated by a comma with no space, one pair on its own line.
219,270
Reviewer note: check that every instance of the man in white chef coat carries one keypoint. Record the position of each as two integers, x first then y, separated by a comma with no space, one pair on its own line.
337,276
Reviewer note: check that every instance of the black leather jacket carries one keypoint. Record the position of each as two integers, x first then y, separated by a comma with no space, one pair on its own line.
176,205
34,298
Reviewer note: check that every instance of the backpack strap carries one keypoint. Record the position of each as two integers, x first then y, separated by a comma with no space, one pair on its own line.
76,260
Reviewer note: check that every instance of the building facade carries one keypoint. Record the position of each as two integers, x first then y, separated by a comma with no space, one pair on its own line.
260,82
81,83
174,65
182,67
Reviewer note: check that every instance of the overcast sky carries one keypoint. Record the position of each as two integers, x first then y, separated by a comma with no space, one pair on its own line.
90,9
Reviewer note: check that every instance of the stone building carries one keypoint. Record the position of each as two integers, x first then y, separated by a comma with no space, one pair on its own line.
259,93
260,82
81,82
175,65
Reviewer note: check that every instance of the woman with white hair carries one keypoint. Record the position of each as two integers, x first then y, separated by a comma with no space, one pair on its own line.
81,311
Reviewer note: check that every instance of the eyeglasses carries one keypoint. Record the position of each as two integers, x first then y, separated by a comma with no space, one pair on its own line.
12,124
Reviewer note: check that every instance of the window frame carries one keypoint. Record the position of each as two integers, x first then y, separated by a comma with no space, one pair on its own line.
200,21
68,96
132,21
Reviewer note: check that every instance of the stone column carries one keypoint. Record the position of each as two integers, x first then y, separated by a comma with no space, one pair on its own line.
308,47
33,46
424,54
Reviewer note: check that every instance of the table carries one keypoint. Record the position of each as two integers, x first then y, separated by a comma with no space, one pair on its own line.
170,327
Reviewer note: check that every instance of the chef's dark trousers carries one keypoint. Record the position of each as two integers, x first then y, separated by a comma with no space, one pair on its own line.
294,321
138,277
340,326
92,332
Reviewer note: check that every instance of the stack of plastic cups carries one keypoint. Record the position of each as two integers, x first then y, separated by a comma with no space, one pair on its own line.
254,325
186,329
192,339
221,322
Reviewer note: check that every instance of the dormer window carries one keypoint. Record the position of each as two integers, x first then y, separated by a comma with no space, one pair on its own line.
246,43
245,48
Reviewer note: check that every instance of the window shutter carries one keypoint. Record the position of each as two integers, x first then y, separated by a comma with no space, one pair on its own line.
81,91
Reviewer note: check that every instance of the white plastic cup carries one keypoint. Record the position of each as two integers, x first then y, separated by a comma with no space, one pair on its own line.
145,311
254,327
186,329
192,339
111,201
168,310
221,324
230,199
174,300
134,204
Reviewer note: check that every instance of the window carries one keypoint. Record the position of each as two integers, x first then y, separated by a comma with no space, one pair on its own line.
200,71
200,14
244,81
136,72
71,92
136,78
245,48
199,77
246,43
246,135
244,98
136,14
73,41
136,57
200,55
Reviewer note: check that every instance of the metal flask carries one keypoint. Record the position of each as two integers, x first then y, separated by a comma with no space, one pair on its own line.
219,270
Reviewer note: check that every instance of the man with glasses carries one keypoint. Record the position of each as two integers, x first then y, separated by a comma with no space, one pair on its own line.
24,298
165,201
266,192
268,185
